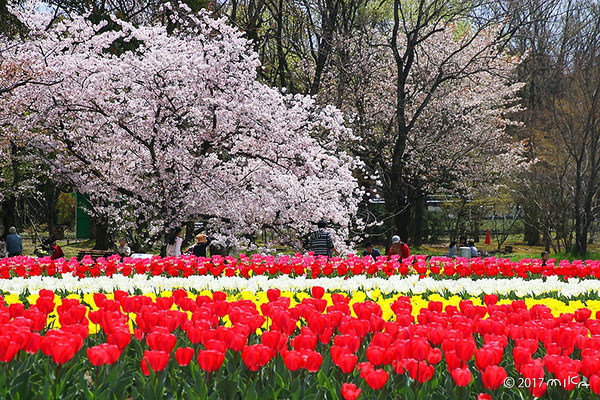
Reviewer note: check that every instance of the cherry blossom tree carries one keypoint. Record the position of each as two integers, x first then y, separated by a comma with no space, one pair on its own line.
160,129
458,143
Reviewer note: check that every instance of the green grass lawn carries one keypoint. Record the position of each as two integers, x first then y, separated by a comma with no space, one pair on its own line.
71,249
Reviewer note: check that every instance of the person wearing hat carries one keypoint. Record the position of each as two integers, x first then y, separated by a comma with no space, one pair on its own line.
370,251
14,243
202,243
399,247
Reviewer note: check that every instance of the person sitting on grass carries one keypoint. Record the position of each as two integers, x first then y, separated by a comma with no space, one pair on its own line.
14,243
451,249
399,247
370,251
123,250
474,252
58,252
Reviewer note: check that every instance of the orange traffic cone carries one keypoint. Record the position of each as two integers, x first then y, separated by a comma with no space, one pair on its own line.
487,237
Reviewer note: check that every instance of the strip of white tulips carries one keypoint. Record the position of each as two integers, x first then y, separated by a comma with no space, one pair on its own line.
392,285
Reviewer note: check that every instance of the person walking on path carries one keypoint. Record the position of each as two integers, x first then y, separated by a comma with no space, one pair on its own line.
321,243
14,243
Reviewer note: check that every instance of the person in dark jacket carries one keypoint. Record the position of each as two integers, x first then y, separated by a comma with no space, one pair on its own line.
371,251
202,243
14,243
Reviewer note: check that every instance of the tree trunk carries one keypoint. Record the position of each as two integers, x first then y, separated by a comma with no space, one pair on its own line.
580,231
51,197
328,19
102,239
532,235
418,217
9,213
189,234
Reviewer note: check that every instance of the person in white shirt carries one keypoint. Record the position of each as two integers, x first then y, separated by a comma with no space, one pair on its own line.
123,250
174,241
474,252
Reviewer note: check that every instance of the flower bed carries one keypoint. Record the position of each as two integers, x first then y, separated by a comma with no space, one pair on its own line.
299,265
409,285
303,344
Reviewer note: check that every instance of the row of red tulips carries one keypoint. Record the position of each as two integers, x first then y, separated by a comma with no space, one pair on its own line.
205,346
298,265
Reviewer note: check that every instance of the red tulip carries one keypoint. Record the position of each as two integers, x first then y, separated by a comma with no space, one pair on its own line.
33,345
103,354
237,342
304,341
120,338
350,391
418,349
273,294
490,299
160,341
465,348
493,377
293,360
317,292
184,355
595,384
347,362
157,360
256,356
375,355
8,349
274,340
462,376
484,358
45,304
164,303
484,396
376,378
582,314
210,360
312,360
538,390
419,371
61,346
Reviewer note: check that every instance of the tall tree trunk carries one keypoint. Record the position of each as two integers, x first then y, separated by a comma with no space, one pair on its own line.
189,234
328,18
51,197
9,213
532,235
580,231
102,238
418,218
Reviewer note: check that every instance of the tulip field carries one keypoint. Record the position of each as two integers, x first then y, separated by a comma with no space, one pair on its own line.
298,327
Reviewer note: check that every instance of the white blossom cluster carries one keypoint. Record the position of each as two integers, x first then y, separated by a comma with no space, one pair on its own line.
179,128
